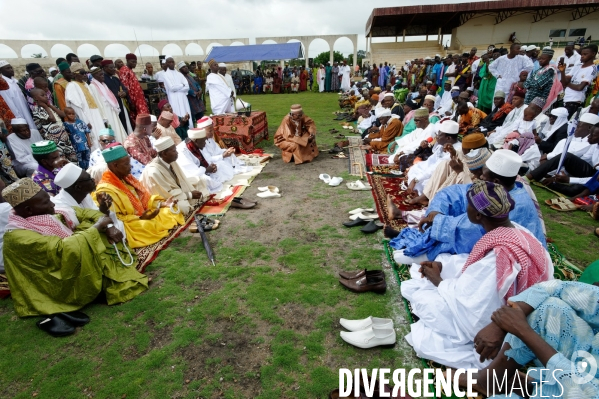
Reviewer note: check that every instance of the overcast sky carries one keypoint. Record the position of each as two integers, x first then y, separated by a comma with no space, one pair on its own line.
186,19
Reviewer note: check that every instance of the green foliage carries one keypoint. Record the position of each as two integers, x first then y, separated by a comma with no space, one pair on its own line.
325,57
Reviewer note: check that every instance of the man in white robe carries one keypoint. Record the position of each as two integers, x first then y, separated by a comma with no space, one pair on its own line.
320,78
19,143
225,159
5,209
408,144
419,174
455,296
177,87
221,95
76,186
14,97
222,70
78,97
507,68
163,176
196,166
107,103
345,73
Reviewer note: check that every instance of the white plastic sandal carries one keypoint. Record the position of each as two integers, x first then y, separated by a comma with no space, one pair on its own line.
335,181
325,178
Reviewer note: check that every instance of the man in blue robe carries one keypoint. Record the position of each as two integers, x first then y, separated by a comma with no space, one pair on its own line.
448,229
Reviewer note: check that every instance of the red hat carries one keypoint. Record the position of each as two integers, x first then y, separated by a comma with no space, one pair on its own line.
106,62
87,63
162,103
520,92
143,120
130,56
115,144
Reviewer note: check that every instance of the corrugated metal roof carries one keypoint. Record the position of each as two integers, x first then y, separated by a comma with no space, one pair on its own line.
427,19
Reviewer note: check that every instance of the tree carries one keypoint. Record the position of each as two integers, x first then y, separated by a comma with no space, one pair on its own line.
325,57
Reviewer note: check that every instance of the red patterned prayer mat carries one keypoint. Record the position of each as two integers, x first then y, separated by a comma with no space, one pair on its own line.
387,185
240,131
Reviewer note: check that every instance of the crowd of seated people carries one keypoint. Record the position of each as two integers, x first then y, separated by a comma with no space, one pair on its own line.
469,135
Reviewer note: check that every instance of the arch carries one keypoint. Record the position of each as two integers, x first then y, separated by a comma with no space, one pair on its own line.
86,50
209,47
7,52
236,44
269,41
317,46
346,47
28,50
194,49
172,49
145,50
60,50
116,50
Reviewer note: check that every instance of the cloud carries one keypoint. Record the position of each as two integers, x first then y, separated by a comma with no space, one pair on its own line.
188,19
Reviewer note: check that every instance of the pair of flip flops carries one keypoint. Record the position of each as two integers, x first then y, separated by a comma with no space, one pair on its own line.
206,223
561,204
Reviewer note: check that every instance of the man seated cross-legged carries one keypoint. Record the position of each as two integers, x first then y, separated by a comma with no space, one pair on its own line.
147,218
59,261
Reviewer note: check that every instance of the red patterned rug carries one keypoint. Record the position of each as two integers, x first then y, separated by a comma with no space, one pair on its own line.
387,185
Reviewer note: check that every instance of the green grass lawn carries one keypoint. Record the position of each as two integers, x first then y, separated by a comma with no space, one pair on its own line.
262,323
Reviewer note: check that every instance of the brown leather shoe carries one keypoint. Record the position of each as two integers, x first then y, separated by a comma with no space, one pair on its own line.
242,204
366,283
360,273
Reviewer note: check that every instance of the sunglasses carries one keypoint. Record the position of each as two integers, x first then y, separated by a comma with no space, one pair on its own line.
105,141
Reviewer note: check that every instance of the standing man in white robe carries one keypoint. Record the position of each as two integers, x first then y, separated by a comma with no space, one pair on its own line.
176,87
507,68
225,159
78,97
14,96
345,72
320,77
19,143
107,103
221,95
222,70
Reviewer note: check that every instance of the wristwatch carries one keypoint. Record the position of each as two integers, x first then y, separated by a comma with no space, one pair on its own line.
110,225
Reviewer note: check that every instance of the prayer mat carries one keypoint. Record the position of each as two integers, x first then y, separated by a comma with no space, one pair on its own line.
379,163
146,255
357,164
219,207
388,185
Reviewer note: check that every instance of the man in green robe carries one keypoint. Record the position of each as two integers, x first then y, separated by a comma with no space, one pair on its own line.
487,85
69,262
327,78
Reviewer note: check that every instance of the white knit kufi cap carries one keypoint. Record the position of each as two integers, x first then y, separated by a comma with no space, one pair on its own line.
504,163
68,175
449,127
163,143
3,63
382,112
389,95
590,118
18,121
222,65
181,64
195,134
455,88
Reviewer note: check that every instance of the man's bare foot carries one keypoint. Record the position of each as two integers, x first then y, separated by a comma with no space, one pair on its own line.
390,232
420,200
392,210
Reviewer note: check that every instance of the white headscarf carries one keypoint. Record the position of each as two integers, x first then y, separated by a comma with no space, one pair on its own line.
562,119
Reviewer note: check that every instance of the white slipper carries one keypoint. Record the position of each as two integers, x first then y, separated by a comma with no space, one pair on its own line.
360,210
274,189
268,194
358,185
368,216
335,181
325,178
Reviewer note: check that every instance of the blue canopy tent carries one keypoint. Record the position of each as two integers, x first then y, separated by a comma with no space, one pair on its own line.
256,52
